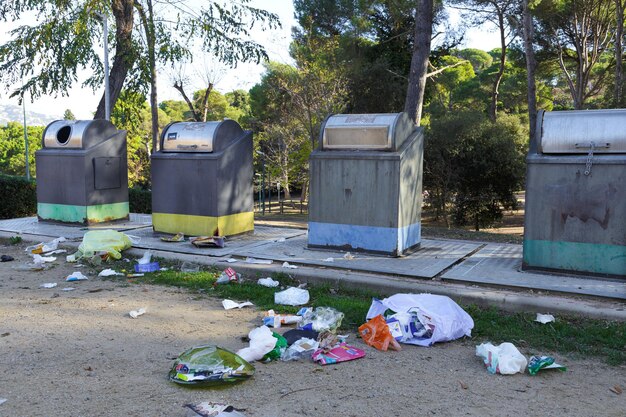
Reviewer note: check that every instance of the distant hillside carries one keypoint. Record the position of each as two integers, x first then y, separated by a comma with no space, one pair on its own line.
13,113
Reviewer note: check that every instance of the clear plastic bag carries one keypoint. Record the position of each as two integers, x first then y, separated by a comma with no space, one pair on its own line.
321,319
110,242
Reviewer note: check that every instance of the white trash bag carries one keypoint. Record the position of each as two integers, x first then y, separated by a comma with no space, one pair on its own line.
503,359
437,318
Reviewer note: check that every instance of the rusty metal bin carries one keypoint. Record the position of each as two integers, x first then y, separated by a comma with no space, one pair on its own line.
366,184
575,209
202,179
82,172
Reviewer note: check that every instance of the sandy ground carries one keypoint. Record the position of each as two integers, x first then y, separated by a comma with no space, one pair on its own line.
79,354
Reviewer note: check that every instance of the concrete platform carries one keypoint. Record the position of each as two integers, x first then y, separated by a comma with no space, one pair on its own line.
444,264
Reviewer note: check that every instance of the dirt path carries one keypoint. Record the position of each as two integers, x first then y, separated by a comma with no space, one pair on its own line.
79,354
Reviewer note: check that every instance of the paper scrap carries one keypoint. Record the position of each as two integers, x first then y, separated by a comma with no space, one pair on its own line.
268,282
136,313
230,304
108,272
329,260
288,265
48,285
76,276
38,259
544,318
68,289
258,261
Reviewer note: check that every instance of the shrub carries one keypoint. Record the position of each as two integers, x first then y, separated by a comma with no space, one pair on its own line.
140,201
18,197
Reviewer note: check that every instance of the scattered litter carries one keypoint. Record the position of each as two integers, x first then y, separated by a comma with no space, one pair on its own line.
341,353
70,258
102,244
38,259
262,342
6,258
292,297
328,340
76,276
280,239
231,260
209,409
151,267
108,273
258,261
145,259
329,260
45,247
376,333
539,363
503,359
164,269
210,365
2,400
616,389
178,237
348,256
230,304
288,265
272,319
300,349
189,267
48,285
321,319
544,318
294,335
68,289
136,313
208,241
268,282
228,275
425,319
54,252
463,384
134,275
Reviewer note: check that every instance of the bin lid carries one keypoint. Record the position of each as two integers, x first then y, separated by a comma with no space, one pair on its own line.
385,131
199,136
577,130
77,134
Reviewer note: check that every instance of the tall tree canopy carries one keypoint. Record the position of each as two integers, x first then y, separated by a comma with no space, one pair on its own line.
67,37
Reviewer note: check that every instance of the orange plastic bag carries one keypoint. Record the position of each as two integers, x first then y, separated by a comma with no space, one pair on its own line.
376,333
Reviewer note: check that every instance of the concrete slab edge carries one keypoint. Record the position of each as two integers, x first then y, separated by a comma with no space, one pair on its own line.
507,300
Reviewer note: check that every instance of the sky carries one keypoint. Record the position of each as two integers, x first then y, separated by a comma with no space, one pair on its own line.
83,101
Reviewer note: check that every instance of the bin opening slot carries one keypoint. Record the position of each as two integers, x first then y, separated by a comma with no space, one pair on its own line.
63,134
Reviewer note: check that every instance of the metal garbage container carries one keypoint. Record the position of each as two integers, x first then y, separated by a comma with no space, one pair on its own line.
82,172
366,184
202,179
575,209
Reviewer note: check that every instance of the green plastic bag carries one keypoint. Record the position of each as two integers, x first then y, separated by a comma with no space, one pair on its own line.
279,348
538,363
209,365
109,241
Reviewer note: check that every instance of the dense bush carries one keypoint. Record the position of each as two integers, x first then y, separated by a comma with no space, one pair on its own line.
474,165
140,200
18,197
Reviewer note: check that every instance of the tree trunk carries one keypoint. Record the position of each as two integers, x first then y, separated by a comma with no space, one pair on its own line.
419,61
179,86
205,102
619,33
493,111
148,24
530,67
123,59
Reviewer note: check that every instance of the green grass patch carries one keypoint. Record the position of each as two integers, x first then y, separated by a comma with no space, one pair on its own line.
573,336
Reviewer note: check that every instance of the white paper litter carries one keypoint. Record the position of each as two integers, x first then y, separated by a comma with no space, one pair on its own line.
136,313
348,256
48,285
38,259
2,400
70,258
258,261
261,342
268,282
145,259
231,260
288,265
208,408
544,318
68,289
329,260
54,252
108,272
76,276
47,247
280,239
503,359
292,297
230,304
